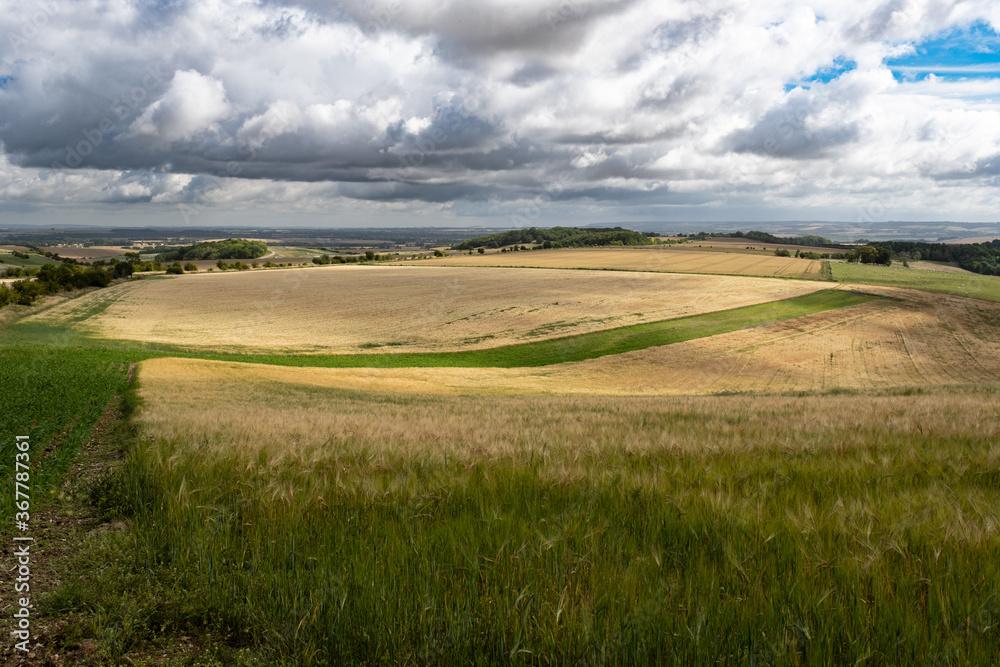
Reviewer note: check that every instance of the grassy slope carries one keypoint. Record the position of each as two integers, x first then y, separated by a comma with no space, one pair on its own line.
962,284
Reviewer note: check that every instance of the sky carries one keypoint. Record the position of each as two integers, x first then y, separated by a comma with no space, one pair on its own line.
497,112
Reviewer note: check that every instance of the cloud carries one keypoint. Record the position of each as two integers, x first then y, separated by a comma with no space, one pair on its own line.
599,104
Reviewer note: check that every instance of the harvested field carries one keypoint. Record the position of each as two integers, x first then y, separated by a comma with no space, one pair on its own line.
913,340
360,308
93,252
748,246
938,266
666,259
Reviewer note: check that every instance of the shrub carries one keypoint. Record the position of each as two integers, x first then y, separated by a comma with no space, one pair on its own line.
191,266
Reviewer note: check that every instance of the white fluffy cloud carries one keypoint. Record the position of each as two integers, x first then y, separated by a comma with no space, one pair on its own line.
191,104
487,109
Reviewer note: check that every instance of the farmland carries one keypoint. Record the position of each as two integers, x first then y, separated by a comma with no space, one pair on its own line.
7,259
529,466
660,259
373,307
89,252
746,246
909,340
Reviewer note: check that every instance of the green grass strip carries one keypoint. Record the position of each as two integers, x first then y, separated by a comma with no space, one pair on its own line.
581,346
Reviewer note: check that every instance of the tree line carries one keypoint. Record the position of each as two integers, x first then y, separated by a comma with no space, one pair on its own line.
976,257
569,237
52,279
228,249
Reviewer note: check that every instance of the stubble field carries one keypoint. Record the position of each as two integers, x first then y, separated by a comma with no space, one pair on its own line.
660,259
908,339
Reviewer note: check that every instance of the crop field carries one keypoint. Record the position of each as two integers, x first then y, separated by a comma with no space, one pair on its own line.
669,259
489,530
962,283
7,259
746,246
911,339
89,252
283,251
939,266
350,309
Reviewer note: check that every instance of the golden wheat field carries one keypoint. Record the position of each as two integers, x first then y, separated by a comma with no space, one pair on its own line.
238,411
910,339
658,259
373,308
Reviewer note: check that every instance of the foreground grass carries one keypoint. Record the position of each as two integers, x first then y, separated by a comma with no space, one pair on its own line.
373,528
962,284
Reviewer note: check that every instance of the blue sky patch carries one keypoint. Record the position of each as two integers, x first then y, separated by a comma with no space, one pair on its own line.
962,53
827,74
824,74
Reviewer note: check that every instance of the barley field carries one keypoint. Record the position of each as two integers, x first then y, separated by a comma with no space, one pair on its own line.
370,308
328,525
669,259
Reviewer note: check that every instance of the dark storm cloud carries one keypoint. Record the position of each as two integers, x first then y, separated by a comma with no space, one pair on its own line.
794,130
464,30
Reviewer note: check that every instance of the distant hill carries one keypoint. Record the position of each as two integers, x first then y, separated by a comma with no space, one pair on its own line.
559,237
